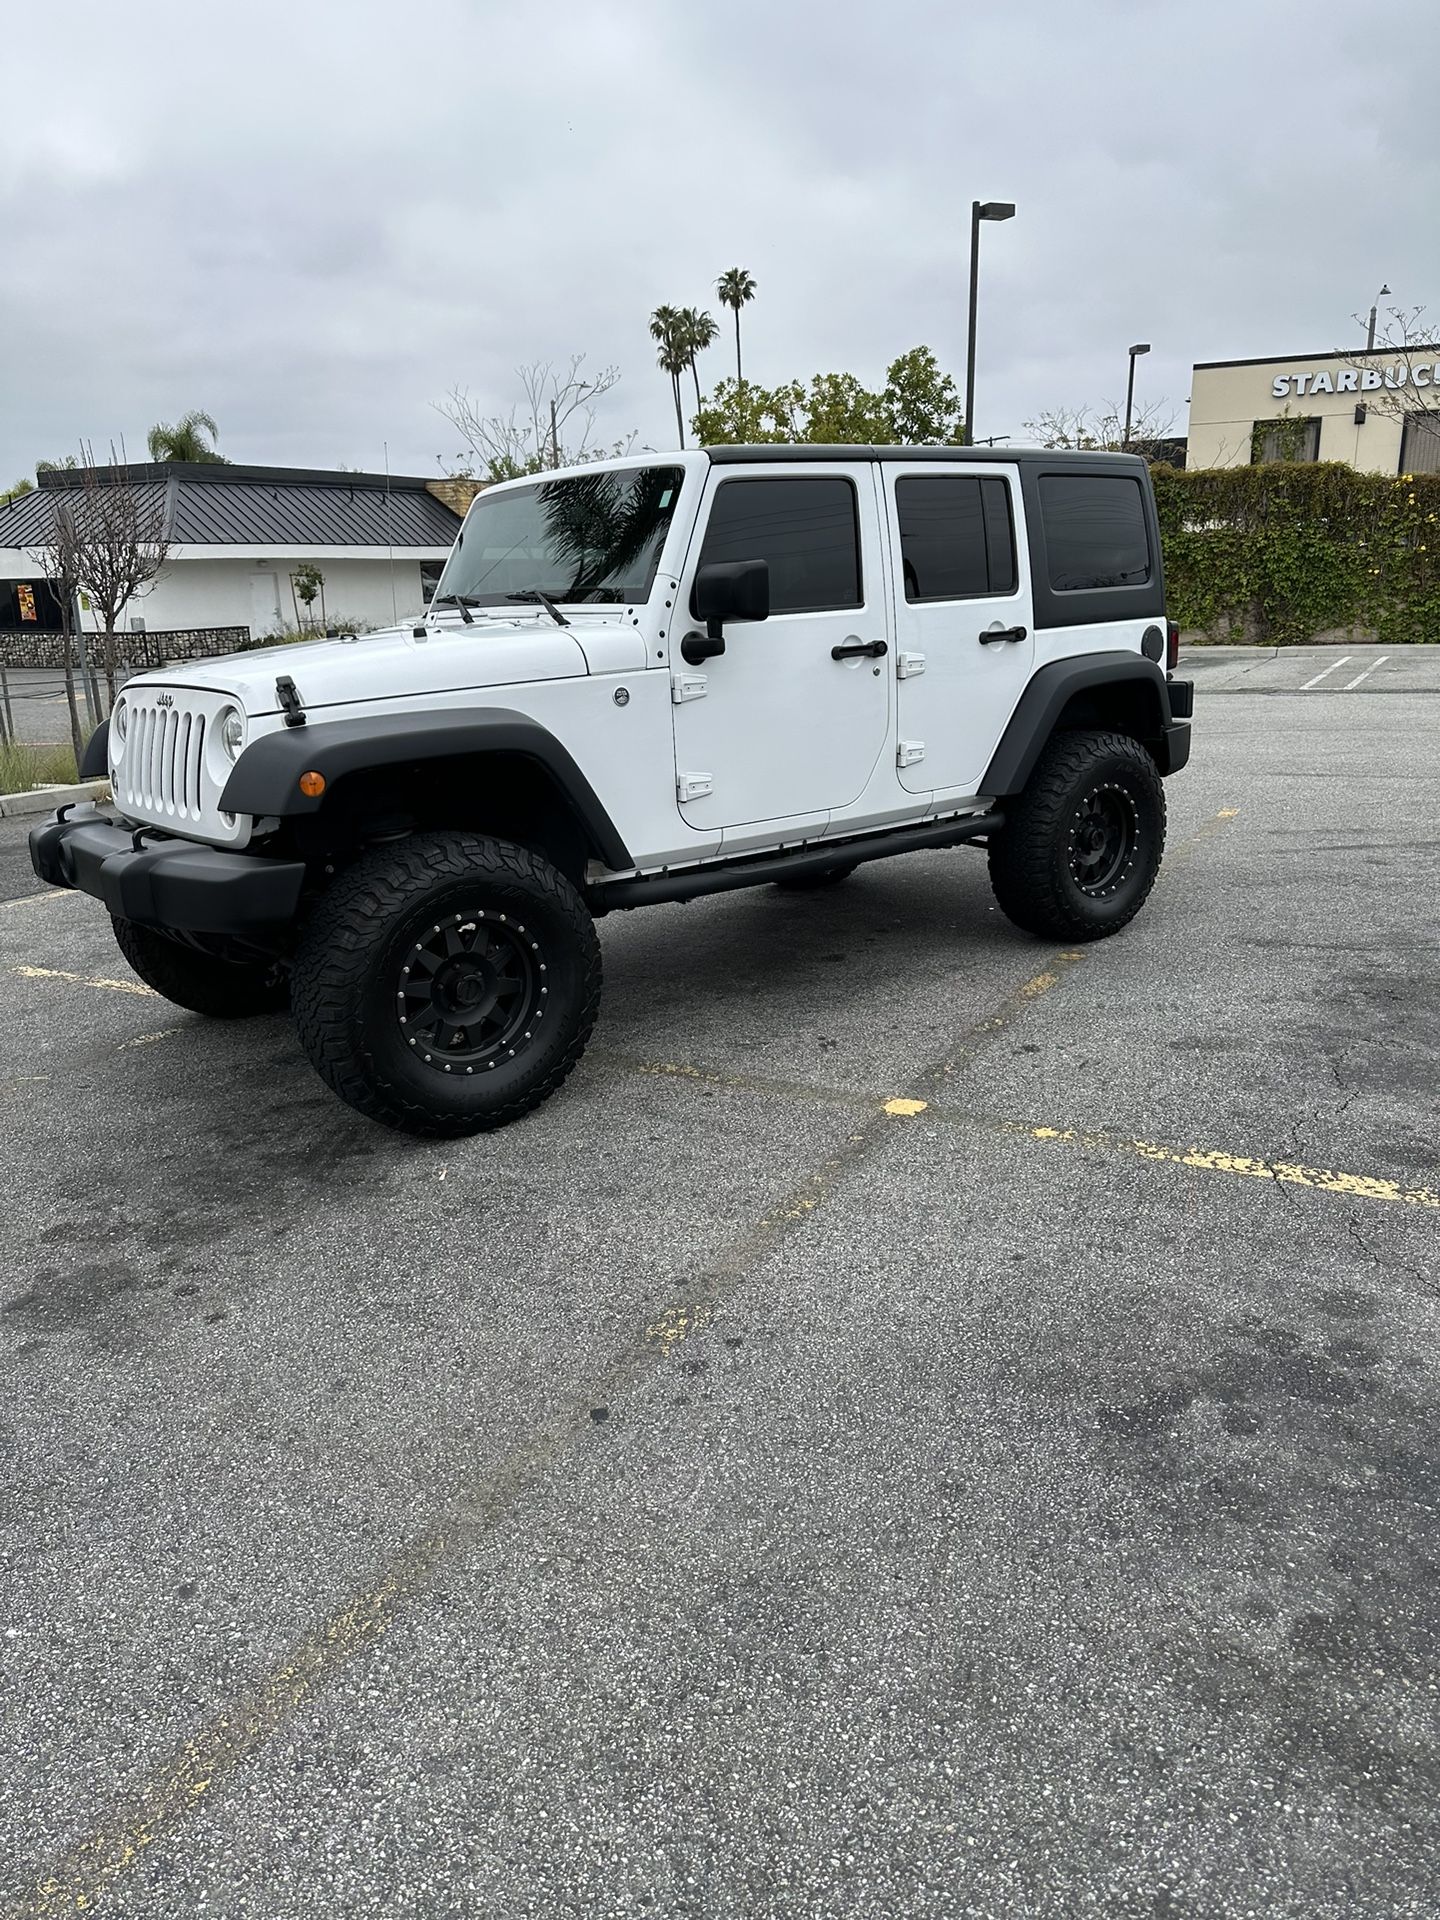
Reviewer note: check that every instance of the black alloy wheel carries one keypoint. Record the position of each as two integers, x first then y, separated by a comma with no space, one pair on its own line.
472,991
1103,837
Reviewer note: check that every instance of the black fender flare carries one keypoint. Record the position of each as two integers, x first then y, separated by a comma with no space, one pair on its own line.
95,761
1050,691
266,778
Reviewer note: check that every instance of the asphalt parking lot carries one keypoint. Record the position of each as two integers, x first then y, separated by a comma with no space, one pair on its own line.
925,1424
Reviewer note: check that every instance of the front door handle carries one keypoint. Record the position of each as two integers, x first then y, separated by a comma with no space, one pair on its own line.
992,634
860,649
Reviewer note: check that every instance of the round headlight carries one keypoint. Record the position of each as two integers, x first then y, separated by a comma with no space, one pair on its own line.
120,721
232,732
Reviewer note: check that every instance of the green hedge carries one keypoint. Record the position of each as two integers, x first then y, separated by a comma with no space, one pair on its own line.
1276,554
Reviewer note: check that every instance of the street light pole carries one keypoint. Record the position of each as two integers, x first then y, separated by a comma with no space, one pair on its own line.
979,210
1144,347
1370,330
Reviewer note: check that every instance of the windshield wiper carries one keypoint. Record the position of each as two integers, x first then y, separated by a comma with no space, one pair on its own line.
534,593
459,600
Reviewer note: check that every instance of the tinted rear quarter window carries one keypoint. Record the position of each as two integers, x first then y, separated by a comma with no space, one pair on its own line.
957,539
1095,532
806,529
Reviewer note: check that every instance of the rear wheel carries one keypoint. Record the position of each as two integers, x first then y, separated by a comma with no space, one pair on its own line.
202,982
1081,847
447,983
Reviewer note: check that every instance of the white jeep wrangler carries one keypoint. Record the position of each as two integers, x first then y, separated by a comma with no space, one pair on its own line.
642,680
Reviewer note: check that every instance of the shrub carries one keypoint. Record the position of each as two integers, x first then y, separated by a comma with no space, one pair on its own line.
1278,553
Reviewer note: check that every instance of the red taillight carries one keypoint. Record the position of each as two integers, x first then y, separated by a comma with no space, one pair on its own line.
1172,645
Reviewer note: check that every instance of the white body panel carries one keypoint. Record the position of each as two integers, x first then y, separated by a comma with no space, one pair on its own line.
771,744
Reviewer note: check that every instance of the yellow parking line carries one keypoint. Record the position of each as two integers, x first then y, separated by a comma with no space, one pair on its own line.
1285,1173
81,980
29,899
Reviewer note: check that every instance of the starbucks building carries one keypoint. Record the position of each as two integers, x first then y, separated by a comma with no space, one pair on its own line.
1377,411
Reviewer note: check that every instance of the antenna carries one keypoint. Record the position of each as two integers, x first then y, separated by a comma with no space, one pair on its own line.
389,537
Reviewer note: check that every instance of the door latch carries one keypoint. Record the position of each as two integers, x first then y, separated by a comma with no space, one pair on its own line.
694,786
908,666
992,634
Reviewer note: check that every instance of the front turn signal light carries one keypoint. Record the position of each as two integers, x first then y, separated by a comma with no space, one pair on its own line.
312,784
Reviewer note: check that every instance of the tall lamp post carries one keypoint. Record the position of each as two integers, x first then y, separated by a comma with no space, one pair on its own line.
979,210
1144,347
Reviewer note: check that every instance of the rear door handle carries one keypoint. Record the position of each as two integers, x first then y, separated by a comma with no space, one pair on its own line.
992,634
858,649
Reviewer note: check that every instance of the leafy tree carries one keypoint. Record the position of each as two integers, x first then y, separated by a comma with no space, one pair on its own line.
736,288
917,406
307,584
920,404
22,485
191,438
667,330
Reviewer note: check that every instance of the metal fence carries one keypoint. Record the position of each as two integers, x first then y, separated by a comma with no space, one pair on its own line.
136,651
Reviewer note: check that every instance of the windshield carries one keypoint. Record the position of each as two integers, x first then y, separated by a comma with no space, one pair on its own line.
592,536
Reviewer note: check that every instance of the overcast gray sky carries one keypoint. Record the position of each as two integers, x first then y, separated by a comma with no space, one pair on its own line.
311,219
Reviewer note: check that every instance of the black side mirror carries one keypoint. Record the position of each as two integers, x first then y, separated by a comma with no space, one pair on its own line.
732,590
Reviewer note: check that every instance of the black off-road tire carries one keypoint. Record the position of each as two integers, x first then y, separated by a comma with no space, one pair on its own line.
434,941
825,877
1081,847
201,982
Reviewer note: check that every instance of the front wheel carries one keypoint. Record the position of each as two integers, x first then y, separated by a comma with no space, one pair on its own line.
447,984
201,982
1081,847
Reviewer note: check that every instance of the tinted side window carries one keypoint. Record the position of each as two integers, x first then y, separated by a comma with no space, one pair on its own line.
1095,532
806,529
957,537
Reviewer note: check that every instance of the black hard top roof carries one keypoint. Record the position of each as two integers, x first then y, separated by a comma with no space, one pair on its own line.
788,453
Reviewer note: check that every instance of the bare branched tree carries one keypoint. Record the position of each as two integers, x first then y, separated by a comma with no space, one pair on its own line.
553,426
56,558
1405,347
114,541
1090,429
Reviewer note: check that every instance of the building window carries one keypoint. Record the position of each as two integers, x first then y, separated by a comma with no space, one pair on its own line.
1284,439
956,536
1095,532
1420,443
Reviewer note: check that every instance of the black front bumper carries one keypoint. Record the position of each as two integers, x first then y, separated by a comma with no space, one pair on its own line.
165,883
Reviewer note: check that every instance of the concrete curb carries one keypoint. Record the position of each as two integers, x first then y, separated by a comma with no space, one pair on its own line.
14,806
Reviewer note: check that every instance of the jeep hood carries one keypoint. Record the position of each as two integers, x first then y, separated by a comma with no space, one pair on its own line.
392,665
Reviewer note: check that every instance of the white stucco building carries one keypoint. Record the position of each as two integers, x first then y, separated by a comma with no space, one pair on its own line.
1382,416
237,535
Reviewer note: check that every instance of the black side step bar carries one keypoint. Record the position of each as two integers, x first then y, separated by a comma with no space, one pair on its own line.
723,877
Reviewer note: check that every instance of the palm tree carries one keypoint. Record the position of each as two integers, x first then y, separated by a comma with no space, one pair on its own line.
191,438
698,331
736,288
667,329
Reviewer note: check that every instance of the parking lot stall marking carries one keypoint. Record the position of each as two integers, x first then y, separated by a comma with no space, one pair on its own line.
157,1806
32,899
1351,685
80,980
1287,1173
1334,667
